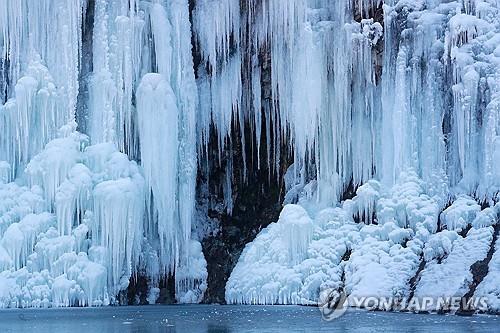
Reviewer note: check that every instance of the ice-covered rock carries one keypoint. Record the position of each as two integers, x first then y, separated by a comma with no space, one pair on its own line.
292,267
489,287
448,274
97,196
460,214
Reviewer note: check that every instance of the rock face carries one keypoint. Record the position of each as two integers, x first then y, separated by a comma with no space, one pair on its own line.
255,201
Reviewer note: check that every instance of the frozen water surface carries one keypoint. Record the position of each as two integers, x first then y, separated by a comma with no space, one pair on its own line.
218,318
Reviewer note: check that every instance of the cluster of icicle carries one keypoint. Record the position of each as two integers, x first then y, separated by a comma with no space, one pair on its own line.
429,103
78,217
400,97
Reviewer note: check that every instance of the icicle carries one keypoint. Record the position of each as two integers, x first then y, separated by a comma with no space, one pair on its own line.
191,275
19,239
72,197
26,32
297,229
31,119
102,90
217,27
257,109
4,172
365,201
158,120
228,187
117,206
50,168
184,87
215,23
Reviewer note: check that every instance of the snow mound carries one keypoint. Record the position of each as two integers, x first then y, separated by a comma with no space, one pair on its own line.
460,214
448,274
390,253
269,271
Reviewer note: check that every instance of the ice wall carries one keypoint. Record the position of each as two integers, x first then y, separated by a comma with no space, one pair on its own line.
106,217
397,101
143,99
428,102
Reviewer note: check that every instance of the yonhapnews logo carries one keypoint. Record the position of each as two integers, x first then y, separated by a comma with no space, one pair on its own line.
334,303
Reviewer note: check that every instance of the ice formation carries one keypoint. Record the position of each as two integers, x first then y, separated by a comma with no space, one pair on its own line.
408,115
489,286
268,271
79,217
449,273
109,108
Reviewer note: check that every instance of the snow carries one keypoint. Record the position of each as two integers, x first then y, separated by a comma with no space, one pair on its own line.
460,214
384,256
268,271
380,268
487,217
385,253
451,276
390,253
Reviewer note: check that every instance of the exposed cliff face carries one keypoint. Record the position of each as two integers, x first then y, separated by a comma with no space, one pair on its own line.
256,199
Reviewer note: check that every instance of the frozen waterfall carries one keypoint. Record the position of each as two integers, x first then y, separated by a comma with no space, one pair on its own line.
110,109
